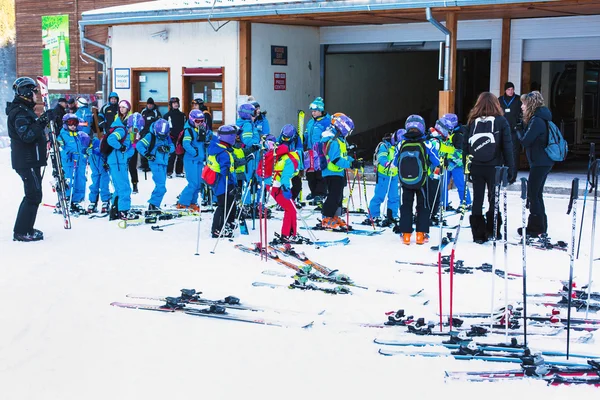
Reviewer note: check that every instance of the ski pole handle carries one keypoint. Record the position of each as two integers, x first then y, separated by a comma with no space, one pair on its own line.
523,188
504,176
574,194
592,152
468,164
499,174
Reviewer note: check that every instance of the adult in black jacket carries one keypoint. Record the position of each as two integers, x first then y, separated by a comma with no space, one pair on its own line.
535,139
28,145
198,104
176,121
511,104
485,118
150,114
60,109
109,112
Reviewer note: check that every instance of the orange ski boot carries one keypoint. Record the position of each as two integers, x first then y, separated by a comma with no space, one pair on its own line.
406,238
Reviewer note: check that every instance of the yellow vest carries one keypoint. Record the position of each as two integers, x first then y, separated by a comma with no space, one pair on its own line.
280,165
447,148
343,154
211,162
238,152
391,171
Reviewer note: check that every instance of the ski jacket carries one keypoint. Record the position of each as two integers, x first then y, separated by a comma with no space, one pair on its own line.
86,119
27,137
336,155
116,140
295,146
107,116
504,149
220,159
70,143
193,144
535,138
177,121
160,157
261,124
387,163
314,130
150,116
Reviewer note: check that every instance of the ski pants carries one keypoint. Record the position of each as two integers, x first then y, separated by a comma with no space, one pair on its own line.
387,186
458,176
535,190
224,209
175,160
434,186
335,195
159,176
290,214
296,186
75,173
316,183
132,165
253,180
100,180
483,176
406,210
120,180
193,174
32,184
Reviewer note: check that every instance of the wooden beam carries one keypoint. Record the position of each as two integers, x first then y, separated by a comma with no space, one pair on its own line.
245,34
452,26
446,102
505,57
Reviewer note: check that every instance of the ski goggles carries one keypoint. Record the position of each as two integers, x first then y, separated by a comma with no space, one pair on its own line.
72,122
199,121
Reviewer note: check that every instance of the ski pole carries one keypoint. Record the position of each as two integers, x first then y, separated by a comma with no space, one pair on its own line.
590,162
347,204
440,251
224,211
594,183
239,214
505,245
572,207
523,254
497,184
198,234
364,179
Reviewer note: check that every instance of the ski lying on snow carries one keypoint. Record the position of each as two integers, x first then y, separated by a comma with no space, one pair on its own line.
191,296
309,286
460,268
362,232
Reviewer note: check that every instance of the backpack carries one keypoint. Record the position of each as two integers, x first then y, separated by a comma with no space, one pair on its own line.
209,175
179,150
484,140
375,156
557,147
105,148
151,144
412,164
268,162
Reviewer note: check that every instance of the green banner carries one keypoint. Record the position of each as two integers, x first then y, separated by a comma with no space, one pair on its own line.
56,63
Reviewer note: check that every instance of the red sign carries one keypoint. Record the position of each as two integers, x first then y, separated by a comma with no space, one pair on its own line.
279,81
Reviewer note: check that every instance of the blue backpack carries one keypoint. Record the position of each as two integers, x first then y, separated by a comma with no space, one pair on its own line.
412,164
557,147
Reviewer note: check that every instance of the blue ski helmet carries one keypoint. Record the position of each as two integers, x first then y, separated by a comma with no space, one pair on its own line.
135,121
288,132
444,127
246,111
342,123
196,115
70,119
415,122
452,119
227,134
397,136
161,127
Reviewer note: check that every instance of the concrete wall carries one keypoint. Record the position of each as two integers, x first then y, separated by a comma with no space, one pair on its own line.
302,71
377,88
188,45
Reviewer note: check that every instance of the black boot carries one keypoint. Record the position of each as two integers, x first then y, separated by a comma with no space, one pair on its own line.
489,225
478,228
535,226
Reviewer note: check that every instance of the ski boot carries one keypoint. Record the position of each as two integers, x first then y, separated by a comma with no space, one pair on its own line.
135,188
153,209
406,238
127,215
180,175
28,237
342,224
375,221
92,208
399,318
419,327
173,303
422,238
76,208
105,207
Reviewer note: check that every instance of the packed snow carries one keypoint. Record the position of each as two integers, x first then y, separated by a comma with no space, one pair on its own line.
61,339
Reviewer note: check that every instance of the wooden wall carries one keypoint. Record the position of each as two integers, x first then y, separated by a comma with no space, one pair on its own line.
84,79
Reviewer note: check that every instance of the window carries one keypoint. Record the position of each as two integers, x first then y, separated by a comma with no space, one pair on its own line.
150,82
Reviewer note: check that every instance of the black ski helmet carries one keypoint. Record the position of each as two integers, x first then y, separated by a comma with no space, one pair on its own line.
24,87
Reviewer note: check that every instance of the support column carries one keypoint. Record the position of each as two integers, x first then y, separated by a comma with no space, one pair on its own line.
447,98
579,93
505,58
245,39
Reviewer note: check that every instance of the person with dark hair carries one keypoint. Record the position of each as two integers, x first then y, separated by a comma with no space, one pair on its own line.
28,154
60,109
535,139
511,104
71,106
150,114
176,120
108,113
198,104
489,142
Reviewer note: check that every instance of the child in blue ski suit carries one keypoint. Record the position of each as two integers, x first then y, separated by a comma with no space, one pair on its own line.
122,151
220,161
85,115
415,157
194,138
73,160
261,123
251,139
315,127
100,178
387,181
157,154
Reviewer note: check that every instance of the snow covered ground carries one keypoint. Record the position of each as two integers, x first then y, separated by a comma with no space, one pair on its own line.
60,338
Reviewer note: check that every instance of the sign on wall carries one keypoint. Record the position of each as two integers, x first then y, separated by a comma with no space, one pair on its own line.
279,81
279,55
56,64
123,78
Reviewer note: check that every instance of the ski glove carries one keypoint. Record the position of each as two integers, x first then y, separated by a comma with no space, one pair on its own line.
151,157
123,148
358,163
164,149
255,147
512,176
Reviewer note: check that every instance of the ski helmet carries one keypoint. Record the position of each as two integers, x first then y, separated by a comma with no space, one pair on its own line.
126,104
196,116
397,136
452,119
317,105
84,139
227,134
161,127
443,126
82,102
246,111
70,120
255,104
25,87
135,121
173,100
415,122
342,124
288,132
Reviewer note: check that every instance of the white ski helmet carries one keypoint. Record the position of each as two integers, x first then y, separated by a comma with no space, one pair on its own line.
82,102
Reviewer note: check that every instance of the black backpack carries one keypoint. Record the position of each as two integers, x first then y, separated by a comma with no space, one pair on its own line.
105,148
412,164
485,140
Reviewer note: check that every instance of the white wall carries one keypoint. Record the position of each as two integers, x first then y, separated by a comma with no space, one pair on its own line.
418,32
188,45
563,37
302,71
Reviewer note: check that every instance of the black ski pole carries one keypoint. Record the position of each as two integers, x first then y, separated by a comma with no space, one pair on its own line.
587,182
572,207
523,253
594,184
505,244
500,171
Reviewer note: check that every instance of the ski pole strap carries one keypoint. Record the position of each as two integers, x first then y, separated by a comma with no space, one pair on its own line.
523,188
501,177
574,194
468,161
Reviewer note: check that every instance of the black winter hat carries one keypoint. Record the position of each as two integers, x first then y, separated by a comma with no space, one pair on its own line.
508,85
62,100
71,101
150,100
